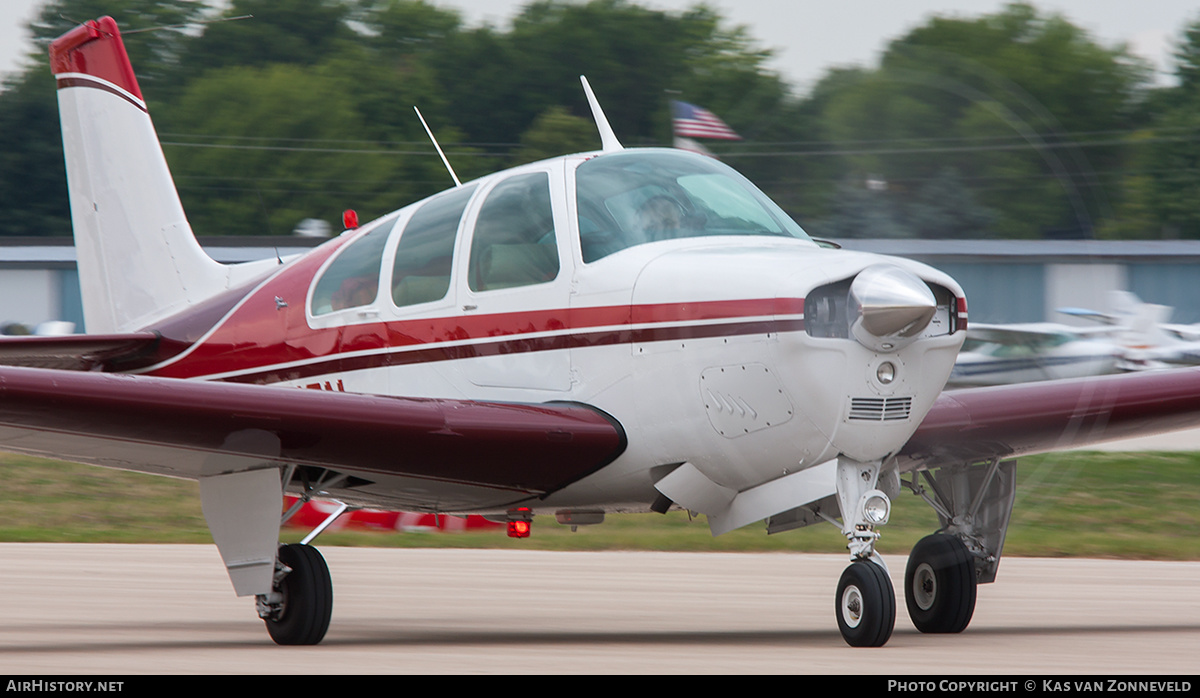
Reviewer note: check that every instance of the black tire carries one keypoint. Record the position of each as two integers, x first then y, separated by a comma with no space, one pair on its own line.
307,598
940,585
865,605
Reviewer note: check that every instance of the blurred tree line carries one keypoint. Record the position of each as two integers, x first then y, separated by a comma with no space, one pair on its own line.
1016,124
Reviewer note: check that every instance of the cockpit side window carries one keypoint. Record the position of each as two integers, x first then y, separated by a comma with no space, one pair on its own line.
514,242
421,272
352,279
632,198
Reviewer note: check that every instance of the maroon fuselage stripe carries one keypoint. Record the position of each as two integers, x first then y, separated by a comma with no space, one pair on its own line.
256,341
85,82
518,345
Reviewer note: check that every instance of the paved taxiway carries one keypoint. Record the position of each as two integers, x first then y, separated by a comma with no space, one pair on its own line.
138,609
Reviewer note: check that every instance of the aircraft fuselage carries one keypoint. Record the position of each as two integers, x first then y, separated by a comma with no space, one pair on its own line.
700,346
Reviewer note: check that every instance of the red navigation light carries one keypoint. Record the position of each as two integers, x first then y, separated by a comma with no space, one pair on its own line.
350,219
519,522
519,529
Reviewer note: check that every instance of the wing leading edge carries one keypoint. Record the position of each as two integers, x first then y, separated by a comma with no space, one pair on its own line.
193,429
1014,420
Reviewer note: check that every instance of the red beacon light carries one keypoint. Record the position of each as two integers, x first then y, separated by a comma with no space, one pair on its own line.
520,523
350,219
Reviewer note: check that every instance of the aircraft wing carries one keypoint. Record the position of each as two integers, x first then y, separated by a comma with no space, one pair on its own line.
977,424
1036,333
1103,318
79,352
191,429
1026,333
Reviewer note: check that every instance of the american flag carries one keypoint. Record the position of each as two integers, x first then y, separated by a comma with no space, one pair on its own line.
694,122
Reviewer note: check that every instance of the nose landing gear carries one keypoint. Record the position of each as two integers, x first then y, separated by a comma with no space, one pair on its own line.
866,601
866,605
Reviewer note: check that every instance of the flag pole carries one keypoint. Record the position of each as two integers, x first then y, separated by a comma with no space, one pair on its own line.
671,113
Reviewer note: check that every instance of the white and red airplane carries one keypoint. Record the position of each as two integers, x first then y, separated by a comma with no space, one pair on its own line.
617,331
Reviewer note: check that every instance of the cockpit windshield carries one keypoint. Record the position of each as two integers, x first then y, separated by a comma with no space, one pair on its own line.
635,197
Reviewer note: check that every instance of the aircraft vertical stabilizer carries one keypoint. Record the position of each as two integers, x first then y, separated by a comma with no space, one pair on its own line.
138,259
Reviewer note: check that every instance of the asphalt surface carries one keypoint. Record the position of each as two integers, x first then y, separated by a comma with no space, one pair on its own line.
149,609
1186,440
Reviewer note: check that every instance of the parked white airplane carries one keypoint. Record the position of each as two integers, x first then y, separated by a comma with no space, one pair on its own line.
1020,353
623,330
1142,331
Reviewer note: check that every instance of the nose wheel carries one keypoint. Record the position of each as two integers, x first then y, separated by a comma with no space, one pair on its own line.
866,605
940,585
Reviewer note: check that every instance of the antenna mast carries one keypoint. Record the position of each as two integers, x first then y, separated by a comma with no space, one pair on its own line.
439,148
608,139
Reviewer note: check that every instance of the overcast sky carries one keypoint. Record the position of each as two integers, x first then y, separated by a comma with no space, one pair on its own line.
811,36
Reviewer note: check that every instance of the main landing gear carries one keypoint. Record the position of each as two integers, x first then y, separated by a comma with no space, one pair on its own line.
290,583
298,609
300,604
974,504
939,585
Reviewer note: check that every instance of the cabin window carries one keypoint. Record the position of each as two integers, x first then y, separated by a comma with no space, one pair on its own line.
421,272
514,243
352,279
632,198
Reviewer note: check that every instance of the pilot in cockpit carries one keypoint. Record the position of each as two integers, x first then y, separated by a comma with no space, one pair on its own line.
660,217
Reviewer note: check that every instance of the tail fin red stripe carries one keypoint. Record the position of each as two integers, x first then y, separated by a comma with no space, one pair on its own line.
95,48
87,82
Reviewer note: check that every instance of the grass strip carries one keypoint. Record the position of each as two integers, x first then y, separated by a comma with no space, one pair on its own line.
1080,504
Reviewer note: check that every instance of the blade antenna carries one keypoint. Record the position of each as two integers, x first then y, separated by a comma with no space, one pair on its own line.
439,148
608,139
185,24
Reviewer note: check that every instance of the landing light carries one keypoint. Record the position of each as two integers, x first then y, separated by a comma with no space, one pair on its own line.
886,373
876,507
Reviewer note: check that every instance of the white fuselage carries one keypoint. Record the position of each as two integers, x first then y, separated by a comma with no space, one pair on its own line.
697,346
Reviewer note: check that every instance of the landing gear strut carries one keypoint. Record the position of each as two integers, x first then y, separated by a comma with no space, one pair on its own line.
973,503
298,610
939,585
866,601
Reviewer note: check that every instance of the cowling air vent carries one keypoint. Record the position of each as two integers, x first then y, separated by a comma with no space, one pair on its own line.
880,409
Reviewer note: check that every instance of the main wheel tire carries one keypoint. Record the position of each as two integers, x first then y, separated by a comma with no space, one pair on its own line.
307,598
940,585
865,605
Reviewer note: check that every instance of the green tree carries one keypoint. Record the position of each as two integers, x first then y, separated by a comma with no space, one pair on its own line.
289,148
154,31
302,32
632,56
33,179
33,187
556,132
1163,185
1009,101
